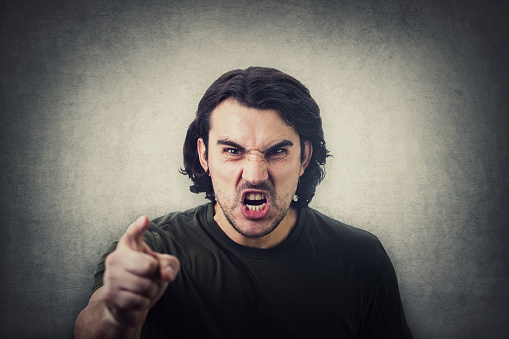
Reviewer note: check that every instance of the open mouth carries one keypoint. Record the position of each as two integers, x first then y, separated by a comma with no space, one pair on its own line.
255,201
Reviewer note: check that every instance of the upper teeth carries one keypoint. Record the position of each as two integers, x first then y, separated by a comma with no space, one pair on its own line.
254,196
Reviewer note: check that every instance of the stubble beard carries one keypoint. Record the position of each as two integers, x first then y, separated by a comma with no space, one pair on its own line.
229,207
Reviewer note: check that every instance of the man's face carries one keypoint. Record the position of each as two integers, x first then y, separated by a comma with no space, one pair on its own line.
254,160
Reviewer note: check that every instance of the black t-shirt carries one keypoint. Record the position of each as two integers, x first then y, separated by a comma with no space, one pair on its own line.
327,279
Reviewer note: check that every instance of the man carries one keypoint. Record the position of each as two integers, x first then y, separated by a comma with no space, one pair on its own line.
256,261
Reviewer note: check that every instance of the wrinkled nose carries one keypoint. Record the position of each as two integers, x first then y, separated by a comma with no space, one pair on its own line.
255,169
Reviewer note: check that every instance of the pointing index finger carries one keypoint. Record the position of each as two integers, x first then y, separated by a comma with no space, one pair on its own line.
133,237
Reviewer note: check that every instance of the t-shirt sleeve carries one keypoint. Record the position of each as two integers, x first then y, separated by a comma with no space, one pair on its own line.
99,272
385,317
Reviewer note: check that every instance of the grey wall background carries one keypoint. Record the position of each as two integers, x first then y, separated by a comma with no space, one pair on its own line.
96,97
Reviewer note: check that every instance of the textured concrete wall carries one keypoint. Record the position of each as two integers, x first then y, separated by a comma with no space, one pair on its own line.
96,97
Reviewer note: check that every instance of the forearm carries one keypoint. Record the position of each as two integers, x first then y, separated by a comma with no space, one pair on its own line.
96,321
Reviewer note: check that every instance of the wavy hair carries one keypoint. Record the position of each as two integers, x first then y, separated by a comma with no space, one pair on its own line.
260,88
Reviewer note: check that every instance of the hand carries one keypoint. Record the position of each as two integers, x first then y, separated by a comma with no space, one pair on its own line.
136,277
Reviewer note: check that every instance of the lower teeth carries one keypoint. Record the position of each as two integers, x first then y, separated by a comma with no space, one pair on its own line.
255,207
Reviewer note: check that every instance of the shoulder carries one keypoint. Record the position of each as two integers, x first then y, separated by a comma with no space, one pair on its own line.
341,240
165,231
175,218
335,229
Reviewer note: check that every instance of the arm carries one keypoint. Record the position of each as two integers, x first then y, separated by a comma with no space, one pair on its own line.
386,317
135,278
96,321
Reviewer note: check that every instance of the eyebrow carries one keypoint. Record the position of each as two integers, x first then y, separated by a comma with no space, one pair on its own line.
280,144
227,142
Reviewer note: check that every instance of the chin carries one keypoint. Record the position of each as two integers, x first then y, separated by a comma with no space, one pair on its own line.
257,228
255,234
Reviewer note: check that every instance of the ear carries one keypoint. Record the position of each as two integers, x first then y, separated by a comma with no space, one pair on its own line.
308,151
202,154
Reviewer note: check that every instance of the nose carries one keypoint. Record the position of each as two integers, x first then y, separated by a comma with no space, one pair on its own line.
255,169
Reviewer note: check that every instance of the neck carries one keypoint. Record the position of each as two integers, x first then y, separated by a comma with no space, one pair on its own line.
272,239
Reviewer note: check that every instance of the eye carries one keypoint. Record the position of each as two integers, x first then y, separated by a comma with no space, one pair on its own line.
231,151
278,152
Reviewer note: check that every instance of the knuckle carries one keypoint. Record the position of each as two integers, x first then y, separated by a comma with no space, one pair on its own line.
113,258
149,266
110,285
109,259
145,285
147,289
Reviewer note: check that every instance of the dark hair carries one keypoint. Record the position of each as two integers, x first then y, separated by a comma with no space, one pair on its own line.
260,88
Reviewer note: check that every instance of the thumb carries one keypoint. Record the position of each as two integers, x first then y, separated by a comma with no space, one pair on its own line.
133,237
169,266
